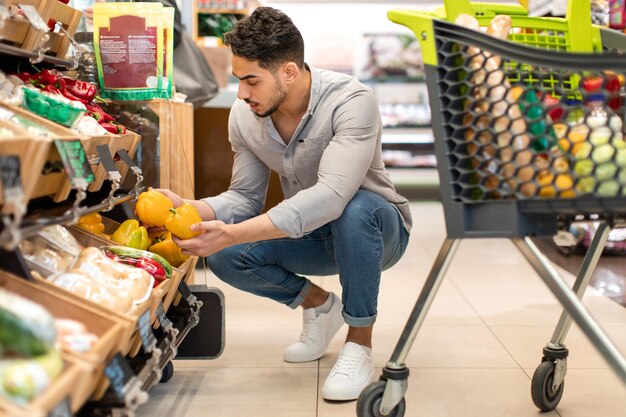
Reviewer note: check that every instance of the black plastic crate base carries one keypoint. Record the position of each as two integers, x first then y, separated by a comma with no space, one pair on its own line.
205,340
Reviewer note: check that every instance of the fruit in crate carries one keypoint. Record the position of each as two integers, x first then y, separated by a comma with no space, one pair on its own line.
165,246
26,328
131,234
30,360
180,220
153,208
92,222
24,378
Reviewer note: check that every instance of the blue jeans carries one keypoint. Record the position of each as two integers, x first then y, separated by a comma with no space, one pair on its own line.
368,238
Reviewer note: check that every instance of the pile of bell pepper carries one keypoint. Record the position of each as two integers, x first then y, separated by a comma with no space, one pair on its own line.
156,210
53,81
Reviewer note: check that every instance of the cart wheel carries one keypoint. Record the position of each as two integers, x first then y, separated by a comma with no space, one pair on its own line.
368,404
168,372
544,397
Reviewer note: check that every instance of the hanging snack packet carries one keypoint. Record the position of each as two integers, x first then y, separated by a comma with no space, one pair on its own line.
128,43
168,52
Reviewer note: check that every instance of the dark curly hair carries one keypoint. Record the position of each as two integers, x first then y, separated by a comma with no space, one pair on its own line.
267,36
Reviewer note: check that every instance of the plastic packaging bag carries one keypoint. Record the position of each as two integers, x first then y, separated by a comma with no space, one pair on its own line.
129,49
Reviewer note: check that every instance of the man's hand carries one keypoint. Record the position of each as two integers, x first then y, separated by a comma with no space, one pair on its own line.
176,199
215,236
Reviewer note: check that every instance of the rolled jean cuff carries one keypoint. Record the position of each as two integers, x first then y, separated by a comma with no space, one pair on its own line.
301,295
359,321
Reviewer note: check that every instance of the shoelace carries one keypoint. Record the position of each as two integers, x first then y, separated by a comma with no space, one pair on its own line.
347,365
307,329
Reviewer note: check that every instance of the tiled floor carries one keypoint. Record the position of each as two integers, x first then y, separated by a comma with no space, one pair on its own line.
474,355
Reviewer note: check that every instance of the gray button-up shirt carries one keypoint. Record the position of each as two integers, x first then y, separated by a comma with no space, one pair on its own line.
335,151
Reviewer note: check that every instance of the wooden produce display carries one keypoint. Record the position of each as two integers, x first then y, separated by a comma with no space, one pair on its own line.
37,152
15,31
21,33
106,328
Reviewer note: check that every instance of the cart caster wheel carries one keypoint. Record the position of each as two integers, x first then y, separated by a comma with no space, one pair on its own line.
368,404
543,395
168,372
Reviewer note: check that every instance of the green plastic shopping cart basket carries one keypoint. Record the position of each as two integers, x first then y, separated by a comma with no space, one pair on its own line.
529,133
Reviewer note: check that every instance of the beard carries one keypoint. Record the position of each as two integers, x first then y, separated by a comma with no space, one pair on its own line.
275,102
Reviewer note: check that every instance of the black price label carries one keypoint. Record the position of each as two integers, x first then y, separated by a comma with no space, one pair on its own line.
145,330
62,409
119,373
126,158
10,171
163,319
105,158
75,162
186,293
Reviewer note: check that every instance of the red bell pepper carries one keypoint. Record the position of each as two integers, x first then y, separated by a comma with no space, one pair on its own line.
50,76
81,89
110,127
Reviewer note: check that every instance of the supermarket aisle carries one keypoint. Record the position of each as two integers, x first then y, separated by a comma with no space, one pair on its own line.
474,356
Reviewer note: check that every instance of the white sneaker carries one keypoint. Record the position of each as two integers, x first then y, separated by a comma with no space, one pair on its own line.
317,332
353,371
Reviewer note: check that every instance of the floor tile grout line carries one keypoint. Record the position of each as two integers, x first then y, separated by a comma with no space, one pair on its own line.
482,319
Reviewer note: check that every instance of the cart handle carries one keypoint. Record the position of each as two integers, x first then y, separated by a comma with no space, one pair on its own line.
583,36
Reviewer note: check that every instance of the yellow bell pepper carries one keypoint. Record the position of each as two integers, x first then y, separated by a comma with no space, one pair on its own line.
180,220
132,235
166,247
153,208
92,222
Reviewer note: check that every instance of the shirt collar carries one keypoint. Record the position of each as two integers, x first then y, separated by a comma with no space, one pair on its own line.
316,88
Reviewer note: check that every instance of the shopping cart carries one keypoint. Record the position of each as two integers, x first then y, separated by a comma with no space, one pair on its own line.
528,137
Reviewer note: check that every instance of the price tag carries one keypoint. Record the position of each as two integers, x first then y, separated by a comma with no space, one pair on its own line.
75,162
106,159
163,319
145,330
127,159
119,373
10,175
186,293
62,409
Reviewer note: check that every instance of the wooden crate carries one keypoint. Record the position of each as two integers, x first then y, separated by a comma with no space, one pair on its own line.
57,184
32,153
58,43
43,184
107,328
14,31
62,387
129,142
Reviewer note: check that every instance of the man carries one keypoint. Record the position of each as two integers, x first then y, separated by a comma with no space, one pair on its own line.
321,132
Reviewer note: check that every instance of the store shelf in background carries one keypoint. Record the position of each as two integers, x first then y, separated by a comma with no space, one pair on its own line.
418,135
416,184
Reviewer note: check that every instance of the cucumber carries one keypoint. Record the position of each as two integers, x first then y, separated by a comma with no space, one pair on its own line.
24,379
26,328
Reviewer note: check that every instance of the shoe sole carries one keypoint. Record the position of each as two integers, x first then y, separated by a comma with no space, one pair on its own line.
347,394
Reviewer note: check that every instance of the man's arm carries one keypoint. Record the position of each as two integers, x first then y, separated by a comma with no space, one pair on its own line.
217,235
